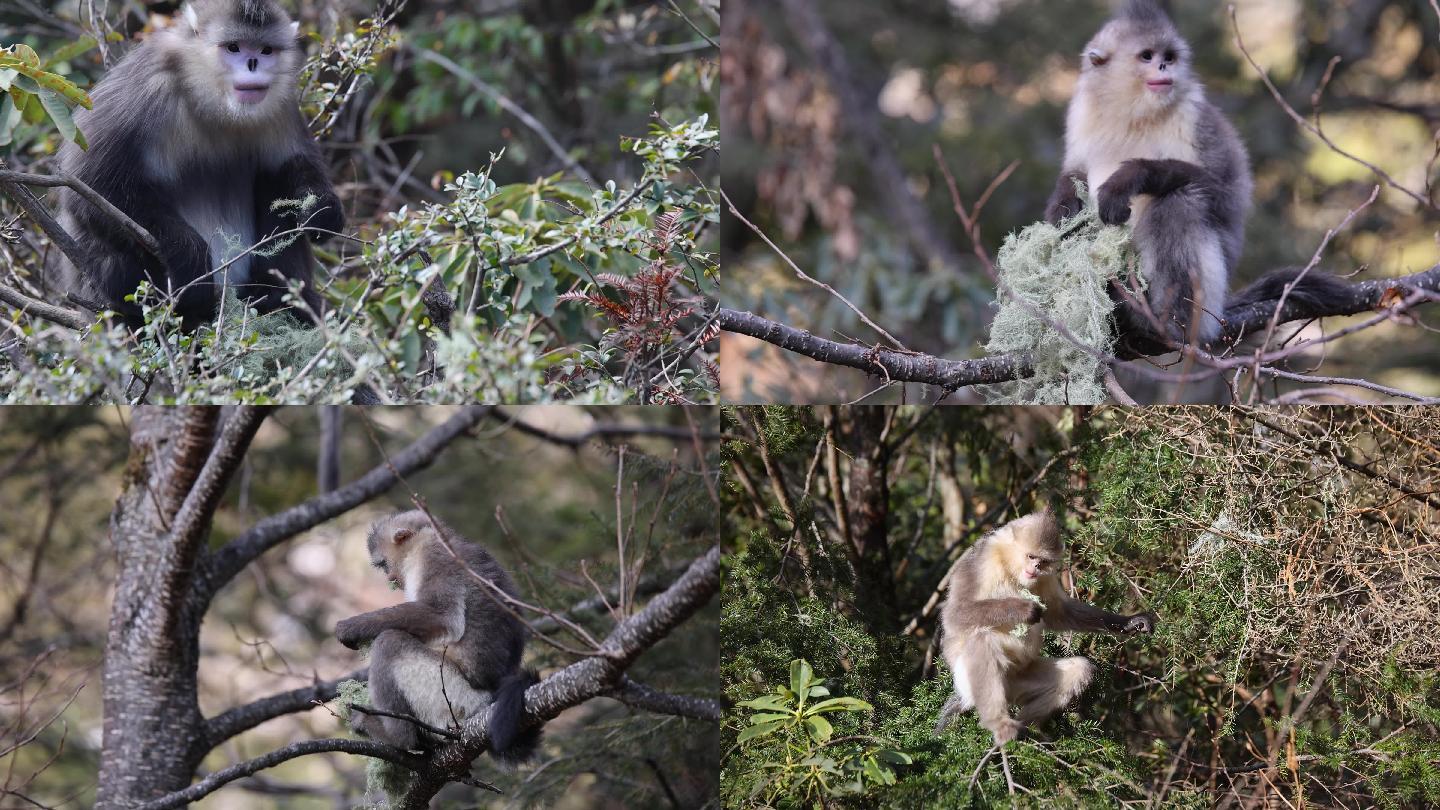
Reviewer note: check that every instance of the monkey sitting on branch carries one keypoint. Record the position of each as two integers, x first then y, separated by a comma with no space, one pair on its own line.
1157,155
197,136
1003,591
451,649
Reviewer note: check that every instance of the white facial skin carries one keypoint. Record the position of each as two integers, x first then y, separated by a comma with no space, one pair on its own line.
251,68
1145,71
1032,567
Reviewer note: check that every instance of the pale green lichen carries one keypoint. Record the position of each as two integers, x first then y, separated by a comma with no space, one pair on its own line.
1022,628
1059,274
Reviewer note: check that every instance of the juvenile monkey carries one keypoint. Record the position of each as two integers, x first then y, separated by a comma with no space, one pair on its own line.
195,135
1003,591
1156,154
450,649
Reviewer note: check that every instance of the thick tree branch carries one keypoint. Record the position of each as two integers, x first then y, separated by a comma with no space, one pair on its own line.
267,533
640,696
231,722
226,455
580,681
8,179
892,365
220,778
1364,296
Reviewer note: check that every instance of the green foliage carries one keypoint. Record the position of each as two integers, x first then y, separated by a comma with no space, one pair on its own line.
1054,304
801,762
33,94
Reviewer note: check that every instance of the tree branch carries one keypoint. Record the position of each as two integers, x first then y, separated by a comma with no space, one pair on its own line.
227,562
194,515
241,770
892,365
65,317
599,431
1363,296
231,722
139,234
640,696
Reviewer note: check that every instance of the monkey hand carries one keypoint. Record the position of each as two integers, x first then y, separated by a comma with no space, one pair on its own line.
1005,730
1140,623
1037,612
351,633
1114,203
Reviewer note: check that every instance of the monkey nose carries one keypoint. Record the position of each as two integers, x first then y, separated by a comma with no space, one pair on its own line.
252,63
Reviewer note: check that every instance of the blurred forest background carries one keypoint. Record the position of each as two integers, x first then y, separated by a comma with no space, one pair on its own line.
986,82
505,152
1292,555
535,486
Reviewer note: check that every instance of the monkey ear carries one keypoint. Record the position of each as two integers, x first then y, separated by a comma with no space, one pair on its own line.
403,535
1097,57
191,18
295,28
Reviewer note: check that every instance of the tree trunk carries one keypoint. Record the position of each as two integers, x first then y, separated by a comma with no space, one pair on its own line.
869,502
153,732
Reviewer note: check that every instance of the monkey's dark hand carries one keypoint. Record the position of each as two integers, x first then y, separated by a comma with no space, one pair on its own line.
1140,623
1115,200
351,632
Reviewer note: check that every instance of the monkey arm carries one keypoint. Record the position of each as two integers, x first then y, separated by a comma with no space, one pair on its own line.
297,178
419,620
1064,200
1145,176
988,613
1072,614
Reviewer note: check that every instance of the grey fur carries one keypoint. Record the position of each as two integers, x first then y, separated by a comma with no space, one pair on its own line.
418,665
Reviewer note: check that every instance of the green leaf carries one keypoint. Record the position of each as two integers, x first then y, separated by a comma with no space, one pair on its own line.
771,702
840,704
68,52
59,113
820,728
894,757
801,676
770,718
756,732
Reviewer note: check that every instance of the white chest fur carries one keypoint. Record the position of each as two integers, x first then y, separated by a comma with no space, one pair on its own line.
1098,141
224,216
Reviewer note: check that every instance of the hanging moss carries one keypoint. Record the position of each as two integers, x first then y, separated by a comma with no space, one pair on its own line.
266,344
1058,274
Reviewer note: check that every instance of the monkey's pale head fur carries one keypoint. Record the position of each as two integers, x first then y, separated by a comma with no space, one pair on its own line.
1138,63
237,60
392,540
1028,548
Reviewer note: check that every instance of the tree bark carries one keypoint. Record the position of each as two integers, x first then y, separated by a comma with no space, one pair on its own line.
153,729
869,502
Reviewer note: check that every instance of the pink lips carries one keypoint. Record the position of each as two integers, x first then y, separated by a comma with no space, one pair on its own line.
251,93
1160,85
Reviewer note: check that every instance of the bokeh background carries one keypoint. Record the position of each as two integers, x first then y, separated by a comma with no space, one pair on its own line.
987,81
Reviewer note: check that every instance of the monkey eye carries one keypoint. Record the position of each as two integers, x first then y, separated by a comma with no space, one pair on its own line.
1146,55
381,564
1169,56
232,47
267,50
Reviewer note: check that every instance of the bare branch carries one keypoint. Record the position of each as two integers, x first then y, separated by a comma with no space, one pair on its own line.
640,696
231,722
225,563
68,318
228,452
216,780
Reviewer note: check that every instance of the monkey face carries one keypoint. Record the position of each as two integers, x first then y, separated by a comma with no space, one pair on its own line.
1143,68
238,68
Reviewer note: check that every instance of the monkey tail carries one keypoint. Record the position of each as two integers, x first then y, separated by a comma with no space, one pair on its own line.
1315,291
509,744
